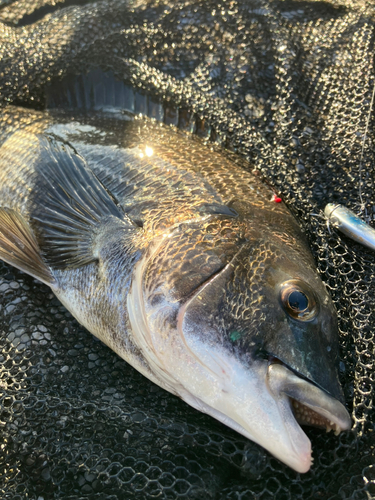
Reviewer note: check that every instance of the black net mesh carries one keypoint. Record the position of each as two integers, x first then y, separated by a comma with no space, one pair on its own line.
286,84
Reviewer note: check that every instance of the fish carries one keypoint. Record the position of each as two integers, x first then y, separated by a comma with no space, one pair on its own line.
179,258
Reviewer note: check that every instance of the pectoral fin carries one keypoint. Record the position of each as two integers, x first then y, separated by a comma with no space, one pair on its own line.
71,210
18,246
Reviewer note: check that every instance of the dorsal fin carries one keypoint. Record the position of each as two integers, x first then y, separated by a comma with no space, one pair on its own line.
69,206
18,246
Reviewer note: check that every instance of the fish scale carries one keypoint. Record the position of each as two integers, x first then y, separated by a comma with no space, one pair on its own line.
179,259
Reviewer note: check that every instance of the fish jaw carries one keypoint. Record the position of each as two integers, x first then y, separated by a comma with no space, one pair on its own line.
242,400
311,405
296,454
259,402
253,399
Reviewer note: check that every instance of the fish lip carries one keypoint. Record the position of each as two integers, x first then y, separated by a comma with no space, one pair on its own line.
283,382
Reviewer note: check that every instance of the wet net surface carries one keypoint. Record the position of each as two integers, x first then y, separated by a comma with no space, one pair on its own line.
287,85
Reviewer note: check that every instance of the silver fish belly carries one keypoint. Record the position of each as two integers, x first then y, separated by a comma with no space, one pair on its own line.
175,256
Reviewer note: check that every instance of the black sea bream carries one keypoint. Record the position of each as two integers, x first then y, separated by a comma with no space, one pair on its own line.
181,261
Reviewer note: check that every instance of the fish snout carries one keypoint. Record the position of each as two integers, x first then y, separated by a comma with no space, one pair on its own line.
310,404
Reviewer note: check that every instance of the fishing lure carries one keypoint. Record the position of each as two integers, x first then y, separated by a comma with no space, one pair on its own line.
348,223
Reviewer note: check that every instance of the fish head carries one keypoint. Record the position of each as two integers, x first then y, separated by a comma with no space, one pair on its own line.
243,329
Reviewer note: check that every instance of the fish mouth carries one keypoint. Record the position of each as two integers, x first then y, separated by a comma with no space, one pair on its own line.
285,402
303,403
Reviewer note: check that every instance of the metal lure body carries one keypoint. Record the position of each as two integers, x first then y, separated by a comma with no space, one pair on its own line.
348,223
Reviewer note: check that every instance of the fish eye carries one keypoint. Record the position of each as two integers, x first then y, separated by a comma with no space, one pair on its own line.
298,300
